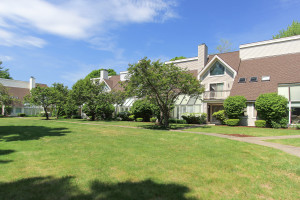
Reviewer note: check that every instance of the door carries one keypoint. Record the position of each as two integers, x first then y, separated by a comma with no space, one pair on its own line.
215,108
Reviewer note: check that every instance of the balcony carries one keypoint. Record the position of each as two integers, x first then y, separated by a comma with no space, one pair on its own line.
216,95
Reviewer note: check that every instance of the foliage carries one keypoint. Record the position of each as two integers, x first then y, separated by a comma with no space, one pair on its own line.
41,96
97,102
284,122
142,109
298,126
70,108
177,121
275,124
74,116
21,114
220,115
139,119
195,118
272,108
96,73
124,115
260,123
234,106
224,46
131,117
153,119
60,95
4,73
178,58
293,29
232,122
5,99
161,84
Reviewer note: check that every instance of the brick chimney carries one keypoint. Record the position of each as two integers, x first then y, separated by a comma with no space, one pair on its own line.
202,55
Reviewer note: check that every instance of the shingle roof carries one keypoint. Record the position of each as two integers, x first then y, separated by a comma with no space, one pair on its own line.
18,93
281,69
231,58
114,83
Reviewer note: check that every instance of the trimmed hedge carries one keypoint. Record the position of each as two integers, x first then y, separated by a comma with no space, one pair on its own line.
21,115
75,117
220,115
234,106
131,118
139,119
153,119
195,118
260,123
177,121
232,122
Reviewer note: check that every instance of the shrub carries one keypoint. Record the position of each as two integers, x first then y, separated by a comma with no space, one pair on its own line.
21,114
195,118
298,126
177,121
124,115
131,118
75,117
284,123
275,125
139,119
272,108
232,122
8,110
220,115
142,109
153,119
260,123
234,106
1,115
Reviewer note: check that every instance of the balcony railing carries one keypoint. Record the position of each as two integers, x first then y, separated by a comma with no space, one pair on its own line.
211,95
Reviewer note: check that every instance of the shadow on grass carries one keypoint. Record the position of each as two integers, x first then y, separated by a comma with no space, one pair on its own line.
5,152
62,188
20,133
171,127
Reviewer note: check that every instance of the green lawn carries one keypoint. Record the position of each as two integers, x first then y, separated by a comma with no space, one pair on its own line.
292,141
42,159
252,131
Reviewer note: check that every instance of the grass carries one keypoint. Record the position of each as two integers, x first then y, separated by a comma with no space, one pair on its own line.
292,141
42,159
252,131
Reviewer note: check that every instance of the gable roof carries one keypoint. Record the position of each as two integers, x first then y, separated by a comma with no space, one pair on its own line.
281,69
231,58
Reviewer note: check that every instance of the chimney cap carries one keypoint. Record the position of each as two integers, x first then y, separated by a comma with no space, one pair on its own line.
31,77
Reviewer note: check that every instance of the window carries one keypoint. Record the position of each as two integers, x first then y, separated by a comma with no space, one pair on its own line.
265,78
242,80
18,110
217,69
216,90
253,79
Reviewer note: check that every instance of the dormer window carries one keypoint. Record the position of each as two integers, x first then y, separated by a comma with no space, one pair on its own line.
242,80
217,69
253,79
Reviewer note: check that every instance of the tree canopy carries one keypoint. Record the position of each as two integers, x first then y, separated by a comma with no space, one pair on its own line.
96,73
178,58
224,46
161,84
293,29
5,98
4,73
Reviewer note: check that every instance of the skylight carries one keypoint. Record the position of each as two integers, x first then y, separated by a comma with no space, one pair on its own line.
253,79
265,78
242,80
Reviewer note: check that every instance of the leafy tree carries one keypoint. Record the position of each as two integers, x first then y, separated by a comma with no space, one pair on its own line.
224,46
60,97
161,84
70,108
234,106
272,108
293,29
96,73
178,58
93,96
5,98
4,73
41,96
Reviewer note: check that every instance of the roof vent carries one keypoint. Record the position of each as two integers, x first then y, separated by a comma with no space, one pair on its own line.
265,78
242,80
253,79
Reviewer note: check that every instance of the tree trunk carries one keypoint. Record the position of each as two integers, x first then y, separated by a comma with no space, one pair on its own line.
166,118
57,113
3,109
46,113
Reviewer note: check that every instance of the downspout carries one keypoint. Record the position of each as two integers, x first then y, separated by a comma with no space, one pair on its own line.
290,107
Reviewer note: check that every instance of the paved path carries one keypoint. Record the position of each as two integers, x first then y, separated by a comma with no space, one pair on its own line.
254,140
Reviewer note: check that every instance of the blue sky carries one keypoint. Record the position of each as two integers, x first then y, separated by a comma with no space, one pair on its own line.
63,40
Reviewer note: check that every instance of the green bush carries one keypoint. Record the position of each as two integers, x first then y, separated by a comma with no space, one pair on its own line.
298,126
75,117
275,124
21,114
195,118
8,110
234,106
232,122
124,115
1,115
284,123
139,119
260,123
142,109
177,121
131,117
220,115
153,119
272,108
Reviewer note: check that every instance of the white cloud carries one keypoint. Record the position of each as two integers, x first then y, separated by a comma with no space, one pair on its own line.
5,58
77,19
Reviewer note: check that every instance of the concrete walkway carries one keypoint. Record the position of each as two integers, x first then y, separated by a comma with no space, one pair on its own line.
253,140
